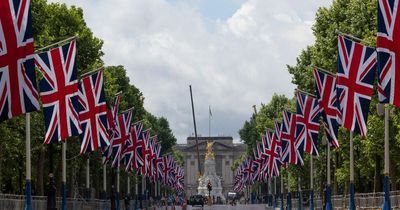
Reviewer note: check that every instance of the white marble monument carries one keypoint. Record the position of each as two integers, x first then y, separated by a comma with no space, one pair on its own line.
210,175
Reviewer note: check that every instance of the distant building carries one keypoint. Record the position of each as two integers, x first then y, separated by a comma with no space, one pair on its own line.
226,152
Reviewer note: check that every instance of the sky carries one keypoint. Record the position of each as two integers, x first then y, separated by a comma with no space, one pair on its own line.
233,53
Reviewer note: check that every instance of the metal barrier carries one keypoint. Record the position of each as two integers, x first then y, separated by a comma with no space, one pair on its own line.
17,202
364,201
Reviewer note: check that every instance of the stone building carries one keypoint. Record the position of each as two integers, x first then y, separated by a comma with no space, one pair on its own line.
226,152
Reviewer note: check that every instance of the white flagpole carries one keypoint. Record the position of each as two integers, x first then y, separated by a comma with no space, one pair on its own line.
387,204
386,141
118,185
64,175
128,190
28,205
351,202
88,178
311,183
104,178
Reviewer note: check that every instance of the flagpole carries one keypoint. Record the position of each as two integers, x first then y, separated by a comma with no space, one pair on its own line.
281,191
269,191
28,204
56,44
300,201
275,195
328,204
118,188
209,122
351,187
143,191
311,183
64,176
386,188
128,186
289,195
104,179
87,178
136,194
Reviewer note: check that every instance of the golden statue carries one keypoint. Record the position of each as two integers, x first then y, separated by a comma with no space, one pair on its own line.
210,153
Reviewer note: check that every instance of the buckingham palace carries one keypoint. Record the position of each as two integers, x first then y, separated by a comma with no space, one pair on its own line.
226,152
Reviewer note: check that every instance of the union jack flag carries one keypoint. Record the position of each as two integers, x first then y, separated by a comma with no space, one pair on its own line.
290,153
18,92
259,162
112,122
157,162
354,79
248,170
152,156
307,123
59,92
388,52
326,94
277,136
145,152
166,167
119,141
93,113
112,117
133,151
271,150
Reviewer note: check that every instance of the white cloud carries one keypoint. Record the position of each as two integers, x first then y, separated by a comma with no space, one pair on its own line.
241,62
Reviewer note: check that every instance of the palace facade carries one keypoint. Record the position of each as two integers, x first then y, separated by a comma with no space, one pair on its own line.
226,152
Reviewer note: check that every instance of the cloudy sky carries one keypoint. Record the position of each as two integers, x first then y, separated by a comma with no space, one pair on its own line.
232,52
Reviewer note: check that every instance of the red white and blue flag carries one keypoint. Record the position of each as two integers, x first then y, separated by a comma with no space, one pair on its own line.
307,123
59,92
355,77
166,168
258,162
248,170
327,99
119,141
93,113
133,151
112,123
18,92
152,156
145,152
387,46
271,150
290,152
158,162
112,117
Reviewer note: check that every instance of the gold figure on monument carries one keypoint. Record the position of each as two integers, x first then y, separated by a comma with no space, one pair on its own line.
210,153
